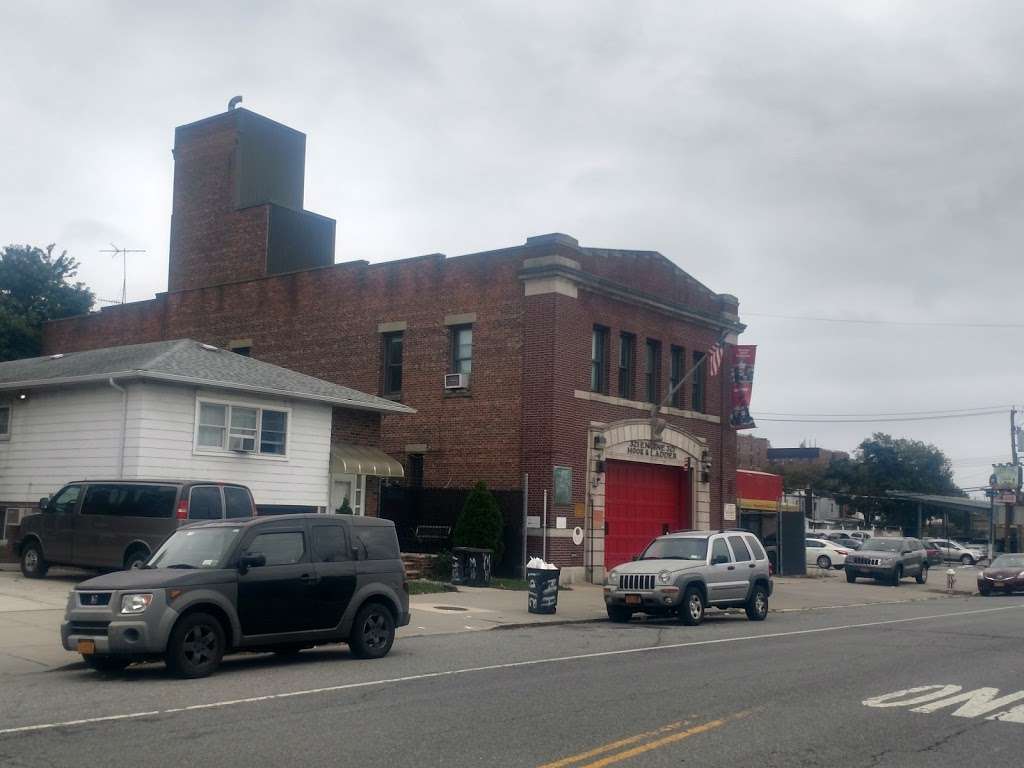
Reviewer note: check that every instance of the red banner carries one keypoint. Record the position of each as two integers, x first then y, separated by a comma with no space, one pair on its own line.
742,386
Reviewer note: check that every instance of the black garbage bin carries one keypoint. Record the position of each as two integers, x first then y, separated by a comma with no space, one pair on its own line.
471,567
542,586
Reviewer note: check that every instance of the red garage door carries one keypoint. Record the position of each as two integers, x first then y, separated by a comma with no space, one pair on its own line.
641,501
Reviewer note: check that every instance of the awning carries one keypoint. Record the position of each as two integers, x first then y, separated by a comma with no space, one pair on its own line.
347,459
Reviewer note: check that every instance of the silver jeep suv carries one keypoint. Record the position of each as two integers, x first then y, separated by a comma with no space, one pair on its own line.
684,573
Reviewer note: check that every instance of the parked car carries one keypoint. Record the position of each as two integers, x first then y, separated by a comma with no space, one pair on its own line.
862,535
954,551
280,584
933,552
844,541
1006,574
116,524
684,573
824,553
889,559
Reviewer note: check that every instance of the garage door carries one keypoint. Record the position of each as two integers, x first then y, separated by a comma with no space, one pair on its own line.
641,502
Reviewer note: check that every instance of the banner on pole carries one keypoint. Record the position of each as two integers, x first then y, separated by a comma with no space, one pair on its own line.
742,386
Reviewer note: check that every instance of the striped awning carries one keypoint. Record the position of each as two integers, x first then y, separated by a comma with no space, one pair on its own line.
348,459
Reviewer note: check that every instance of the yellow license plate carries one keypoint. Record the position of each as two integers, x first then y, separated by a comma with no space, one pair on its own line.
632,599
87,647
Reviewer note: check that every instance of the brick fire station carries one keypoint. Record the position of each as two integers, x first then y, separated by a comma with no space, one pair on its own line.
531,367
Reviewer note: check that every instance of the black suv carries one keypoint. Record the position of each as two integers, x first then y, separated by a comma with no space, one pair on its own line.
277,584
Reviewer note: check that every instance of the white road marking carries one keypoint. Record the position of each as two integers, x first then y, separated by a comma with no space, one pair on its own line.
508,665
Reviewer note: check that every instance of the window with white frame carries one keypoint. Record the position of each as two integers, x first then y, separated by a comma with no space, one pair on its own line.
5,421
242,428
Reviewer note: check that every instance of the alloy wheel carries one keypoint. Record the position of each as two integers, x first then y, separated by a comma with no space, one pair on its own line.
375,631
200,645
760,603
32,560
696,606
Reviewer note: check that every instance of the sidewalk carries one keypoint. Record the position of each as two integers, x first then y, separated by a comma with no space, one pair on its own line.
31,610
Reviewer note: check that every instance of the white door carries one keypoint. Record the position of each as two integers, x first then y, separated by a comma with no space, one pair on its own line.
348,487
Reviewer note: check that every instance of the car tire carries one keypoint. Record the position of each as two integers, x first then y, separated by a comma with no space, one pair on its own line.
824,563
196,646
106,664
33,564
984,590
897,574
922,577
135,555
620,614
757,605
691,611
967,560
851,577
373,632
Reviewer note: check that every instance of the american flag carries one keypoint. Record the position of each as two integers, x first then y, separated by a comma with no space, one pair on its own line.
715,355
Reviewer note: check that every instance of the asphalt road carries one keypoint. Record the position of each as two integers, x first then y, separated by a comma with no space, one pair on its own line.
790,691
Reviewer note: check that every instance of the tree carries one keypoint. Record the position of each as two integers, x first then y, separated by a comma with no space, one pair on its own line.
480,522
36,286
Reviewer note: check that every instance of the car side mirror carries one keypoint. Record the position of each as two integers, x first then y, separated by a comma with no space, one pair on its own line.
251,560
356,552
908,551
44,503
719,560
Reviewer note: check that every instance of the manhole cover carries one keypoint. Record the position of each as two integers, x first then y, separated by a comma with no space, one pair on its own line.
450,608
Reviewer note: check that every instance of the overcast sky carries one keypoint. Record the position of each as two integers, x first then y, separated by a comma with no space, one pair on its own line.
858,160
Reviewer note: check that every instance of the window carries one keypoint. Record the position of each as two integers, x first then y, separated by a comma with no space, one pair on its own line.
653,371
599,360
416,470
719,550
627,355
5,421
273,428
330,544
676,375
755,547
393,363
237,502
130,500
64,502
281,548
377,542
212,424
814,544
699,378
242,428
462,349
204,503
739,548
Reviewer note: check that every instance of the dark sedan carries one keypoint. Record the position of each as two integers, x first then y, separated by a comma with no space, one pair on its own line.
1006,574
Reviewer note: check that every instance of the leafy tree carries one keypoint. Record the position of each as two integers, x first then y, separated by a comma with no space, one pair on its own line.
36,286
480,522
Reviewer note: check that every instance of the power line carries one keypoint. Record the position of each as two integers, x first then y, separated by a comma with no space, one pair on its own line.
883,414
759,417
876,321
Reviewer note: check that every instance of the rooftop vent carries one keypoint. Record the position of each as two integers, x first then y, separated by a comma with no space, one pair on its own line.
210,347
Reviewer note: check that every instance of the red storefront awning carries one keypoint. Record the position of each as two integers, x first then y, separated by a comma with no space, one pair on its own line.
758,490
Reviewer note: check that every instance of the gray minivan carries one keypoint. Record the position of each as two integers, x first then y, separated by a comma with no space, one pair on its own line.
114,524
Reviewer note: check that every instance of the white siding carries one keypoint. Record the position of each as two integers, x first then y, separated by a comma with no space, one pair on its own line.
161,430
60,436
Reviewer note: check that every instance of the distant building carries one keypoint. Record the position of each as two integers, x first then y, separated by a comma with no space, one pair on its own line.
802,455
752,452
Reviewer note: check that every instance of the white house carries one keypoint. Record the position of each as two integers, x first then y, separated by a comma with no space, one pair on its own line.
182,410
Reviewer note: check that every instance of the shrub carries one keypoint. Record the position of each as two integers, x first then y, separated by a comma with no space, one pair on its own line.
480,523
345,508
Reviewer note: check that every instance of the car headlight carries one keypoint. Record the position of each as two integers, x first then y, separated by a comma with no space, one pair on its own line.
613,578
135,603
664,577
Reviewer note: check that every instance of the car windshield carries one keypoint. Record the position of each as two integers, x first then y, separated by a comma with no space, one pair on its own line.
196,548
676,549
1008,561
883,545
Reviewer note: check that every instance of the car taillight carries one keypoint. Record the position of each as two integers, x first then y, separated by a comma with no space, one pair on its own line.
182,513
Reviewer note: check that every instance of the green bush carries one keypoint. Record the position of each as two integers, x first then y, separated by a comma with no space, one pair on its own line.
441,567
345,508
479,525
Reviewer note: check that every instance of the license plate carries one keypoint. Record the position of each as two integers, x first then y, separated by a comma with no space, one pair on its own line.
632,599
87,647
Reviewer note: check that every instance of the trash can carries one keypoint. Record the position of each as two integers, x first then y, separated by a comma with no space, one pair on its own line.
542,586
471,567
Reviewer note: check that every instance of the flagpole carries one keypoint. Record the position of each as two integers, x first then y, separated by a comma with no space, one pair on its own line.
656,407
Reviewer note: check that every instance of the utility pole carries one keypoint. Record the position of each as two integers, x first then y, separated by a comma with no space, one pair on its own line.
114,251
1013,435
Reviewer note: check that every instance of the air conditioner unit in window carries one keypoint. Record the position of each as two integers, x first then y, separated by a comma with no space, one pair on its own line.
456,380
242,444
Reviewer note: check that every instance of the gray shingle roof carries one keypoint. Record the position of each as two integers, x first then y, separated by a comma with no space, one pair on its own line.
188,362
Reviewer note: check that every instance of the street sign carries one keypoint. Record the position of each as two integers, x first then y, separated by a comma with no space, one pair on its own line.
1006,497
1006,477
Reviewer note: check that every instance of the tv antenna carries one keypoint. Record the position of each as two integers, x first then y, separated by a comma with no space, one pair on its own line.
114,252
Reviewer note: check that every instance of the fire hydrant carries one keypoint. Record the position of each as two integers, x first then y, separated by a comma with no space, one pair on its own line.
950,580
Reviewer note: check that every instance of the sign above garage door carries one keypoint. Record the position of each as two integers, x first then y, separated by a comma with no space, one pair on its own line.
650,451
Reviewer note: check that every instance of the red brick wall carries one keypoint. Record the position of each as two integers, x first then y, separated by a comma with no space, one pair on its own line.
359,427
211,242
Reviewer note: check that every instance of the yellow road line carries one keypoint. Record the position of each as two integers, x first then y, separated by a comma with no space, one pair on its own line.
614,745
620,756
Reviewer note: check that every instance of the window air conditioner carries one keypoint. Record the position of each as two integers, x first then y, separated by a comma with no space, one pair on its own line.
242,444
456,381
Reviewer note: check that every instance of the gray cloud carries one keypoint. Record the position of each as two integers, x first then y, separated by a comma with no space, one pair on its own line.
858,159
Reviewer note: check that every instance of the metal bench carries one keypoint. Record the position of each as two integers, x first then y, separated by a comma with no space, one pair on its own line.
433,532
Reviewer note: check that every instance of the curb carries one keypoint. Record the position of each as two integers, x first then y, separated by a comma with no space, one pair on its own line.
556,623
